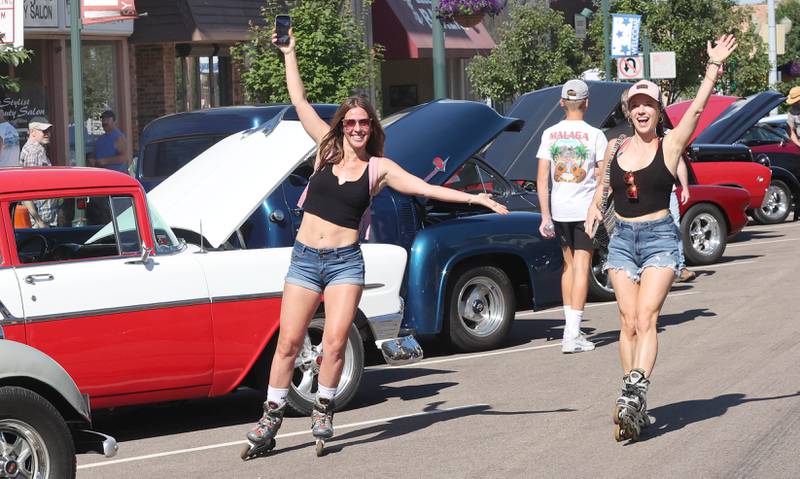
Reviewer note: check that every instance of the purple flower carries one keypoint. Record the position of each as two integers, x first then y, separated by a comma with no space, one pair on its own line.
449,9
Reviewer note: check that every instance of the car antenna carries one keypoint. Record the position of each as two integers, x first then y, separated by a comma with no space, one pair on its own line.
202,242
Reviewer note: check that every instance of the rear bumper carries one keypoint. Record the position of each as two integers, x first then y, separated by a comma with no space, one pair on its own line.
92,441
396,349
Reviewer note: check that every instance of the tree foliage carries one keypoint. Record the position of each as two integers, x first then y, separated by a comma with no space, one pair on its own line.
790,9
684,26
14,56
536,49
333,57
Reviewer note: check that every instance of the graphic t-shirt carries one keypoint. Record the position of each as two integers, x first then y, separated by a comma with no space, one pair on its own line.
573,149
10,154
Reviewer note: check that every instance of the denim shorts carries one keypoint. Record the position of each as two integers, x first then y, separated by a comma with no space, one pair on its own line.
315,269
636,245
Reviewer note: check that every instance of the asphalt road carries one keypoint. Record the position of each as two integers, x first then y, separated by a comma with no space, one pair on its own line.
725,399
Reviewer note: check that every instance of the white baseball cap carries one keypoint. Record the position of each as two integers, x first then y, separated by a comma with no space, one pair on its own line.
575,90
39,123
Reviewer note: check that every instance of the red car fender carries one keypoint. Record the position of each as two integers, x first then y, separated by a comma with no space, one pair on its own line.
752,177
732,201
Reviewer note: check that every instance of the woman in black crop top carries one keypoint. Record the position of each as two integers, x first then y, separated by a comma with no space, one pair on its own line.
642,253
348,172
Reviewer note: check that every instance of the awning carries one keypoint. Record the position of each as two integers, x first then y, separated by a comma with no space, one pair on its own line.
403,27
224,21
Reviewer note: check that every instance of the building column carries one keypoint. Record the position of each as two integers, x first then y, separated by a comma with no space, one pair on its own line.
155,82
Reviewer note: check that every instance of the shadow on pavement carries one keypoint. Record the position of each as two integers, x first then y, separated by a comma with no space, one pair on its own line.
374,389
673,417
665,320
748,234
407,425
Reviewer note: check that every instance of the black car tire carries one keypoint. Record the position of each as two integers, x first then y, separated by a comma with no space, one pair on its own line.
704,233
27,416
778,204
480,308
301,400
600,288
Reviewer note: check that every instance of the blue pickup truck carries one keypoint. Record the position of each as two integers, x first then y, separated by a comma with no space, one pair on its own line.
469,270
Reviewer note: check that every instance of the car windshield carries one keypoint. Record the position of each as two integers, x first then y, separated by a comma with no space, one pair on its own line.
165,240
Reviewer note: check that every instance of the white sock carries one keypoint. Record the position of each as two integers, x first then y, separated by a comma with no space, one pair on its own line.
572,326
326,393
577,316
568,332
277,395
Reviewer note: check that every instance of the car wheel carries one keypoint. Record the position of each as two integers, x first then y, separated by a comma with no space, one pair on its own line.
777,204
480,308
600,288
704,233
304,385
34,439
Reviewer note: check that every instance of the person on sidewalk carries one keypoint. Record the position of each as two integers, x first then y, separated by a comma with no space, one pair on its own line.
643,250
568,157
793,115
43,213
110,149
9,143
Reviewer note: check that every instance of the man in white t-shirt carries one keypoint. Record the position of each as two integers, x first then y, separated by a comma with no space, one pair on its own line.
569,155
9,143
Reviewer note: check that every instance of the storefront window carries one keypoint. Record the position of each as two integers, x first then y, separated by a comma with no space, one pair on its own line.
203,82
31,100
99,61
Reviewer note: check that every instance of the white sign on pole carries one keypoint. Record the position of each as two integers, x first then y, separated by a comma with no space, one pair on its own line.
11,22
630,68
580,26
662,65
625,35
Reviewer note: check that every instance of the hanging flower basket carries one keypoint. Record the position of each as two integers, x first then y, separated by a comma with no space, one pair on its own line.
468,21
467,13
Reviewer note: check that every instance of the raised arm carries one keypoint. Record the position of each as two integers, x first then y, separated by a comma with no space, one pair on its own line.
312,123
394,176
677,139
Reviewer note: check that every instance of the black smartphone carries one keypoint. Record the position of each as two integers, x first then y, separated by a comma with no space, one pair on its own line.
282,25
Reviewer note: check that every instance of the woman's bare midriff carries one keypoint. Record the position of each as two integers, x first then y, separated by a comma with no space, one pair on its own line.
318,233
657,215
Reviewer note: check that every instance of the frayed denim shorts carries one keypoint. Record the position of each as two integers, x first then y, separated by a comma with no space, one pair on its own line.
315,269
636,245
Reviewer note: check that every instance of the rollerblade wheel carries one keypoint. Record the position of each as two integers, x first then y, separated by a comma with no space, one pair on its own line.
320,447
251,450
619,433
245,453
617,414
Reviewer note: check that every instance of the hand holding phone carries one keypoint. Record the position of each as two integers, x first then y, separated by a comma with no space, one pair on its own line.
282,25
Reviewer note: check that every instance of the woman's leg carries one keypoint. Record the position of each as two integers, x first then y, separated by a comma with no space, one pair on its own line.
626,291
653,289
341,302
297,308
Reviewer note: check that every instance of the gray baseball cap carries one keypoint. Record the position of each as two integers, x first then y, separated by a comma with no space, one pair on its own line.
575,90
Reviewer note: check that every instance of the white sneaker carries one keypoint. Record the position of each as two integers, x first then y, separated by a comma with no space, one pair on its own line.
577,344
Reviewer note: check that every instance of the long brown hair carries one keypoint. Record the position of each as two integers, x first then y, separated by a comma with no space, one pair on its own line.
331,148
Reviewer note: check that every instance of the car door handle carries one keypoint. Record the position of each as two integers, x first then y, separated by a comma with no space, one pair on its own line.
35,278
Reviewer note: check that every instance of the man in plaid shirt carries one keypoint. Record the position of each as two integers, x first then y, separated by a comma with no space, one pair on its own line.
44,213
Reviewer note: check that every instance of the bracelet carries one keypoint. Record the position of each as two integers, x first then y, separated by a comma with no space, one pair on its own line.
714,62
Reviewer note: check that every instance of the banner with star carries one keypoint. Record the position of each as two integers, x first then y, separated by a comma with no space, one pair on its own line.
625,35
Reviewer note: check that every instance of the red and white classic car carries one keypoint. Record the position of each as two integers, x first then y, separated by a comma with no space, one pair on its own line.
135,315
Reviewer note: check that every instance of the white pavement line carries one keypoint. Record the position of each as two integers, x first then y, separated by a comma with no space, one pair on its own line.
722,265
279,436
756,243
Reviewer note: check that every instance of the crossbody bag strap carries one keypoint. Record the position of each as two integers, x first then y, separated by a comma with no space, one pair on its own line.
607,175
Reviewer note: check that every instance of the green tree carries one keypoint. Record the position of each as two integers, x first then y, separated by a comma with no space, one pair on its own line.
536,49
334,60
790,9
14,56
684,26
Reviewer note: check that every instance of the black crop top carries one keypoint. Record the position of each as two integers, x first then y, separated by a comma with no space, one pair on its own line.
653,186
342,205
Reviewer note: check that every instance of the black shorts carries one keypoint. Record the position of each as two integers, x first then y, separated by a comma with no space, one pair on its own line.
573,235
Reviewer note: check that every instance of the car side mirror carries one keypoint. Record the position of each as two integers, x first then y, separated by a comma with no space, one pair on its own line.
146,252
529,186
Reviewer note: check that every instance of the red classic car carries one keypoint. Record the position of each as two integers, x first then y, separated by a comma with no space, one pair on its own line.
729,122
135,315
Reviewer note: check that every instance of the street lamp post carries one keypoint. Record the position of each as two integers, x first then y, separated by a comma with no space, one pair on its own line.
439,67
605,11
77,82
773,60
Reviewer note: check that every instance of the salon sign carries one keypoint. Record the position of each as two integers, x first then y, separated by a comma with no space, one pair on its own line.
11,22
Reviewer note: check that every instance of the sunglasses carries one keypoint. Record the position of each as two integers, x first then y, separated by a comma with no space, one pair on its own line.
351,123
632,190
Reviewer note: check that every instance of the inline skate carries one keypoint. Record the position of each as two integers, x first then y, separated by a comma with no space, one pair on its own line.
322,422
630,411
261,439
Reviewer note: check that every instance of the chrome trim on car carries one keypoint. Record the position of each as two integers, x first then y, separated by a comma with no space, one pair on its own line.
7,317
246,297
400,351
373,286
99,442
119,310
387,326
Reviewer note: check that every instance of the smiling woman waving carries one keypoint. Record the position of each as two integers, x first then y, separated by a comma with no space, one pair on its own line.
643,250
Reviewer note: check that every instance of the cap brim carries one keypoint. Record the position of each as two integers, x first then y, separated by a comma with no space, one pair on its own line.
40,126
792,101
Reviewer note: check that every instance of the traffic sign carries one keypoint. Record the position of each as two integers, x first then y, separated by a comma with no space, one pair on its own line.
102,11
630,68
662,65
11,22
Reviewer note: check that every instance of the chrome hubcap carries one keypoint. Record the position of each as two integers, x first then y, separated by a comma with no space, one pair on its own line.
776,203
601,277
705,233
22,451
308,362
481,306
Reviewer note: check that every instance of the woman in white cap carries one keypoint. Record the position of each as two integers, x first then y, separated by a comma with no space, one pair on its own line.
643,250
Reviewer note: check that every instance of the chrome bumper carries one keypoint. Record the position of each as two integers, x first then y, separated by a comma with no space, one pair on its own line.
396,349
98,442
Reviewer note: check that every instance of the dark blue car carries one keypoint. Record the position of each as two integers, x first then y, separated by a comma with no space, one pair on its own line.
468,269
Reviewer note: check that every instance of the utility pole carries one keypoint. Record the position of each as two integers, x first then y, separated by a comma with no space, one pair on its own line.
439,66
605,11
646,53
77,82
773,61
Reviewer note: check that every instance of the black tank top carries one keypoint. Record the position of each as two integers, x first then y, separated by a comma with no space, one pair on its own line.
653,183
342,205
